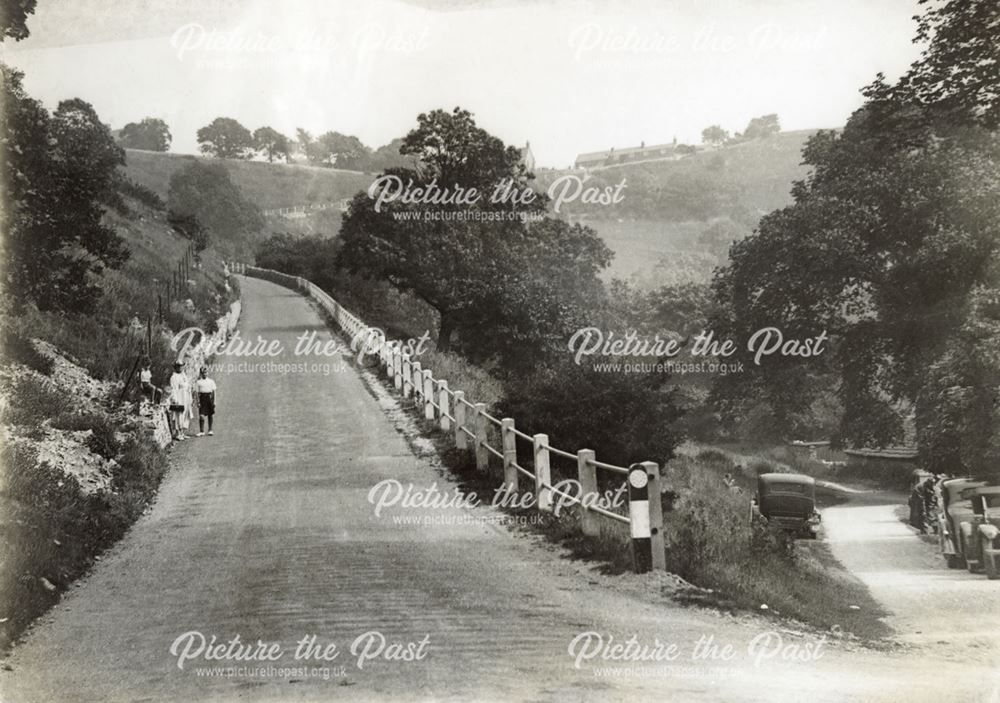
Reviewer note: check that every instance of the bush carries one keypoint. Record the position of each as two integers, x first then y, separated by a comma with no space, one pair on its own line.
139,192
17,348
624,418
31,400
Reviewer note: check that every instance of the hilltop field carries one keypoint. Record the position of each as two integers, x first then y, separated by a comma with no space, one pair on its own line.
656,232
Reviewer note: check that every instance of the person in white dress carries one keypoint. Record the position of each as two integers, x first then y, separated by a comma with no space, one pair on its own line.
180,401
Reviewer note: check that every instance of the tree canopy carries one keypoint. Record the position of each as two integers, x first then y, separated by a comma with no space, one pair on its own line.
59,171
151,134
226,138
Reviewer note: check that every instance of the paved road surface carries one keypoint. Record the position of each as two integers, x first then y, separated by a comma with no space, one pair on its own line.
264,531
956,612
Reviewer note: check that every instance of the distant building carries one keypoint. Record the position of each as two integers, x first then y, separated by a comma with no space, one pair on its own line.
527,157
613,156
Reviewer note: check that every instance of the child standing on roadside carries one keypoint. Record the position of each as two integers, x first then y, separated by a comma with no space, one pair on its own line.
180,401
205,388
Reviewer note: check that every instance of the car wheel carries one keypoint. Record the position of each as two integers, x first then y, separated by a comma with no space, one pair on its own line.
990,565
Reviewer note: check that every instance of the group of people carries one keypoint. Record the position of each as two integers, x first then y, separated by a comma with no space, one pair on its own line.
182,398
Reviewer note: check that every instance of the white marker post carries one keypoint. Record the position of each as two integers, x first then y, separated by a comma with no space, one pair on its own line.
638,513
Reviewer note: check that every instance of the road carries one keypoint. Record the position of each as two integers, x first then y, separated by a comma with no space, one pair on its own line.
265,531
953,612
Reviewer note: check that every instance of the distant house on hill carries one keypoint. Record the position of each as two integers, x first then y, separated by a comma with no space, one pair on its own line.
613,156
527,157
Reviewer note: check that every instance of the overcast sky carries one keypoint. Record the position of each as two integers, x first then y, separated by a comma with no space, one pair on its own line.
568,76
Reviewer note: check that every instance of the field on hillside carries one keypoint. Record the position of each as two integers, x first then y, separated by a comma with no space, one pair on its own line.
268,185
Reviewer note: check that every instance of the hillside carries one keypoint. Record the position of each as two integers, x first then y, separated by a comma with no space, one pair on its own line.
654,232
269,185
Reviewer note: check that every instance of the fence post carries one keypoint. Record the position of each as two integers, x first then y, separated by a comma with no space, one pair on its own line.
444,406
638,515
397,360
461,440
428,395
417,381
657,537
587,475
543,475
509,444
482,455
407,377
390,361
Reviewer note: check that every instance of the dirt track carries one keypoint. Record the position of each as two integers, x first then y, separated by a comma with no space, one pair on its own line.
265,531
952,612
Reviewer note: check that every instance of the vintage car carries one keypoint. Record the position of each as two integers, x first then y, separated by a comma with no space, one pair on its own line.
954,508
788,501
980,535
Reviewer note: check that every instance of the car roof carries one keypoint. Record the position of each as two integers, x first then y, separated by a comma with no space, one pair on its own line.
787,478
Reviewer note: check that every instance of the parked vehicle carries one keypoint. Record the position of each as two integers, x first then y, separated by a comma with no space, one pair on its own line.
954,509
788,501
980,535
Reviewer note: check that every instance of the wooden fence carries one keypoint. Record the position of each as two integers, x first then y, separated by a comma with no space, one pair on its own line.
469,422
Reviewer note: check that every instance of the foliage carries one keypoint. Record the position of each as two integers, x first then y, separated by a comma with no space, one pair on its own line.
762,127
151,134
205,191
144,195
17,348
14,18
499,282
714,135
311,257
189,227
885,247
59,170
226,138
336,149
31,399
271,143
624,418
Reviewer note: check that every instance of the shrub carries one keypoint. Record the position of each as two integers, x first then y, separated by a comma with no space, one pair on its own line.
139,192
18,348
624,418
32,399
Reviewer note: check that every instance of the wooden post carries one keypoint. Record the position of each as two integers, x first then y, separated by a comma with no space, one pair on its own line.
407,377
417,381
509,444
656,516
482,454
444,407
461,439
428,395
543,474
390,361
397,360
587,475
638,515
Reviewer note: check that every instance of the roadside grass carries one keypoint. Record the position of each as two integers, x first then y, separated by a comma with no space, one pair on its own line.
53,531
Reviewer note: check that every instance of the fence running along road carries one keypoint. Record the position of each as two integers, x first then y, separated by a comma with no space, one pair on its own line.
471,425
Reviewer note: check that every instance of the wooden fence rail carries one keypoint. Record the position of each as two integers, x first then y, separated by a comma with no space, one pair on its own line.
471,424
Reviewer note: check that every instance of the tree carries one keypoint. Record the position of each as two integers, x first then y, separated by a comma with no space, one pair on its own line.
225,138
151,134
14,18
271,143
499,282
206,191
58,172
762,127
714,135
719,236
340,150
189,227
892,246
303,141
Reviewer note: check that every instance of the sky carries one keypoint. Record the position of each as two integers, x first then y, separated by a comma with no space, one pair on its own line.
568,76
